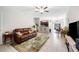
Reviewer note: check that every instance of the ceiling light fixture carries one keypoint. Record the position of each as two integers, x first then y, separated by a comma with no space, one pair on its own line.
41,9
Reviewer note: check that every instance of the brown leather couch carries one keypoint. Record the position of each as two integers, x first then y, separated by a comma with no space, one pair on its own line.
23,34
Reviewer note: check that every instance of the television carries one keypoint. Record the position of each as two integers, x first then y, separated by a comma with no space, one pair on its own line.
74,30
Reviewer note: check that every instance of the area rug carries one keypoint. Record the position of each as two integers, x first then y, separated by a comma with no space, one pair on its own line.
32,45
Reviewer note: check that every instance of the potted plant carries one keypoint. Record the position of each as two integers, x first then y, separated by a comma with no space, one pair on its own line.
35,27
65,30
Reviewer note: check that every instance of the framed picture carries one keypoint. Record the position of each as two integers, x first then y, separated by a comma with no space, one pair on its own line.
57,26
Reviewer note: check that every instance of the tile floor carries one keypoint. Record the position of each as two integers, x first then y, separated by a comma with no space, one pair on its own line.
54,44
7,48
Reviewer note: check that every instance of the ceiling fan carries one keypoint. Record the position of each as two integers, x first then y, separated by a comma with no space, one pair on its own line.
41,9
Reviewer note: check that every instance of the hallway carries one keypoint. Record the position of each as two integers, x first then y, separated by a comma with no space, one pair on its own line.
55,43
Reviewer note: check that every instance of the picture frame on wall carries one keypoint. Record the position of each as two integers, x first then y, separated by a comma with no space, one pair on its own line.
57,27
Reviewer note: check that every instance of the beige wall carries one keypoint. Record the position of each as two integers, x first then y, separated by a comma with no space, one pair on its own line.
73,14
16,17
0,25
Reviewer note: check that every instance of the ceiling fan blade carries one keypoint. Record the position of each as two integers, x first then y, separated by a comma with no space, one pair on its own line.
46,11
37,7
45,7
36,11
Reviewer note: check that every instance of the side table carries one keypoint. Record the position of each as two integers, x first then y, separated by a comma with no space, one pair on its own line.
7,38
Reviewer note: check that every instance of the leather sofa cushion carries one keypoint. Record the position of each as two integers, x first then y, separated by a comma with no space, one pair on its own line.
22,29
19,33
25,33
